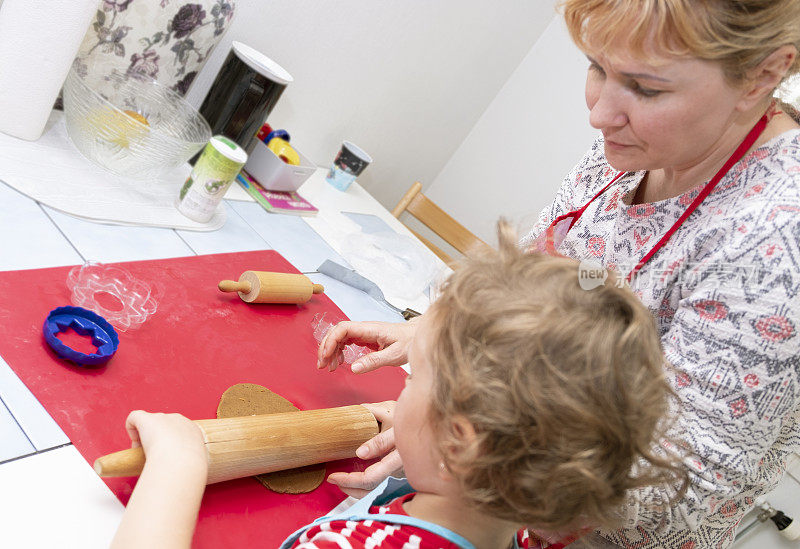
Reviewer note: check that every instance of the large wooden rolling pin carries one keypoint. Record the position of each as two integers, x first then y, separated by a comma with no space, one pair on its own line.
266,287
252,445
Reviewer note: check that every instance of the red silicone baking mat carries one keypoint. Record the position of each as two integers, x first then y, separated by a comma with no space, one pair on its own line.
199,342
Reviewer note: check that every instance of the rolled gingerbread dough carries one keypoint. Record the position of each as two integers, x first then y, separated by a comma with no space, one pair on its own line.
249,399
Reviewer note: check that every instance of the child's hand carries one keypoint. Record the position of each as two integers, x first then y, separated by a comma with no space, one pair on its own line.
163,508
167,436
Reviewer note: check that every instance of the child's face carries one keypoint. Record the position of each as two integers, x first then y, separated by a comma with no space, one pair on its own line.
414,435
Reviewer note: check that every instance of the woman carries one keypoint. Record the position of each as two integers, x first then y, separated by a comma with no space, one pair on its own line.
693,193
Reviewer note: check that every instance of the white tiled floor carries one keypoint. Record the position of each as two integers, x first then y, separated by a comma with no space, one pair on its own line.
58,501
14,442
24,222
235,236
288,235
112,243
41,430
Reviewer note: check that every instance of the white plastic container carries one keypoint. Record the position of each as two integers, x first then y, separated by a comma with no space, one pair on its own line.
273,173
213,174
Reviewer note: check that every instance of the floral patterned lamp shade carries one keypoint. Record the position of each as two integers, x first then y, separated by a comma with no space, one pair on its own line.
167,40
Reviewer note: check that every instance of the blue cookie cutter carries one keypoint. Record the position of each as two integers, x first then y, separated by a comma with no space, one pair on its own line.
84,322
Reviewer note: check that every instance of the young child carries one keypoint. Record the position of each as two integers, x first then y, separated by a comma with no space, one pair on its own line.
531,403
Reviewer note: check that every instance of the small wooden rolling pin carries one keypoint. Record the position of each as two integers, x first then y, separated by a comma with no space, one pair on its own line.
252,445
265,287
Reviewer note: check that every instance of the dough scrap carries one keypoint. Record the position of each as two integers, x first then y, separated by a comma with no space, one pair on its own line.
248,399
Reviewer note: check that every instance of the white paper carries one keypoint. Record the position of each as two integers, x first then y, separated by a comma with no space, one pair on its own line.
336,228
53,172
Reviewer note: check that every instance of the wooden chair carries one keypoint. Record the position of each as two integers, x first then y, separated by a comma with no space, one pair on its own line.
437,220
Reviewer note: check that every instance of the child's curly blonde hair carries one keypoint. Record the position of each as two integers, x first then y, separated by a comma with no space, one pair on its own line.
565,389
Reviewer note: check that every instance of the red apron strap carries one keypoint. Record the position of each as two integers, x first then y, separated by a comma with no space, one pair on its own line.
549,233
737,155
579,212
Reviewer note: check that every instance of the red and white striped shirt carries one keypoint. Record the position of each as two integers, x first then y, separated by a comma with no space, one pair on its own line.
348,534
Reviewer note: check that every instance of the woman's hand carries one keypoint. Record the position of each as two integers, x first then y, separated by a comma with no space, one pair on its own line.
381,445
391,341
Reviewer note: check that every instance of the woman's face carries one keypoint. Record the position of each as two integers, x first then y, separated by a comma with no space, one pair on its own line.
665,113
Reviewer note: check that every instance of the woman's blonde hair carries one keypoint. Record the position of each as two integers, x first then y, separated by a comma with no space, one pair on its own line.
564,387
738,34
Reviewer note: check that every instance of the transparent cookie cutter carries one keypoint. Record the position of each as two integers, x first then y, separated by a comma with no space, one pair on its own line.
112,292
350,353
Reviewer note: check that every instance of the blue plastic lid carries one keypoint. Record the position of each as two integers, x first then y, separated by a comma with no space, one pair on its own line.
281,134
83,322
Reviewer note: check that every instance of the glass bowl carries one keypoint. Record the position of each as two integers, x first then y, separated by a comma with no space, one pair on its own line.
132,125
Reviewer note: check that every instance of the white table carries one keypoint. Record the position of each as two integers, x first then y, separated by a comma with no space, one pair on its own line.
49,495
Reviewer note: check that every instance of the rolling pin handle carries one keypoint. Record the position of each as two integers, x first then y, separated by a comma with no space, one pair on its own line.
318,288
125,463
233,286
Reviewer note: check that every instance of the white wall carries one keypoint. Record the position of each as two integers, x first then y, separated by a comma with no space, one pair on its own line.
529,137
404,79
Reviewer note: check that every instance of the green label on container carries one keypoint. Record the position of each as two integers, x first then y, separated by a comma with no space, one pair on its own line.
186,186
215,165
228,142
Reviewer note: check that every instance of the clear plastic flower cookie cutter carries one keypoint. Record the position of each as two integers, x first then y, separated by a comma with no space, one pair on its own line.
350,353
112,292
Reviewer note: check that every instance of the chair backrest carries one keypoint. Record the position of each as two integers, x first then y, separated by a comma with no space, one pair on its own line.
437,220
